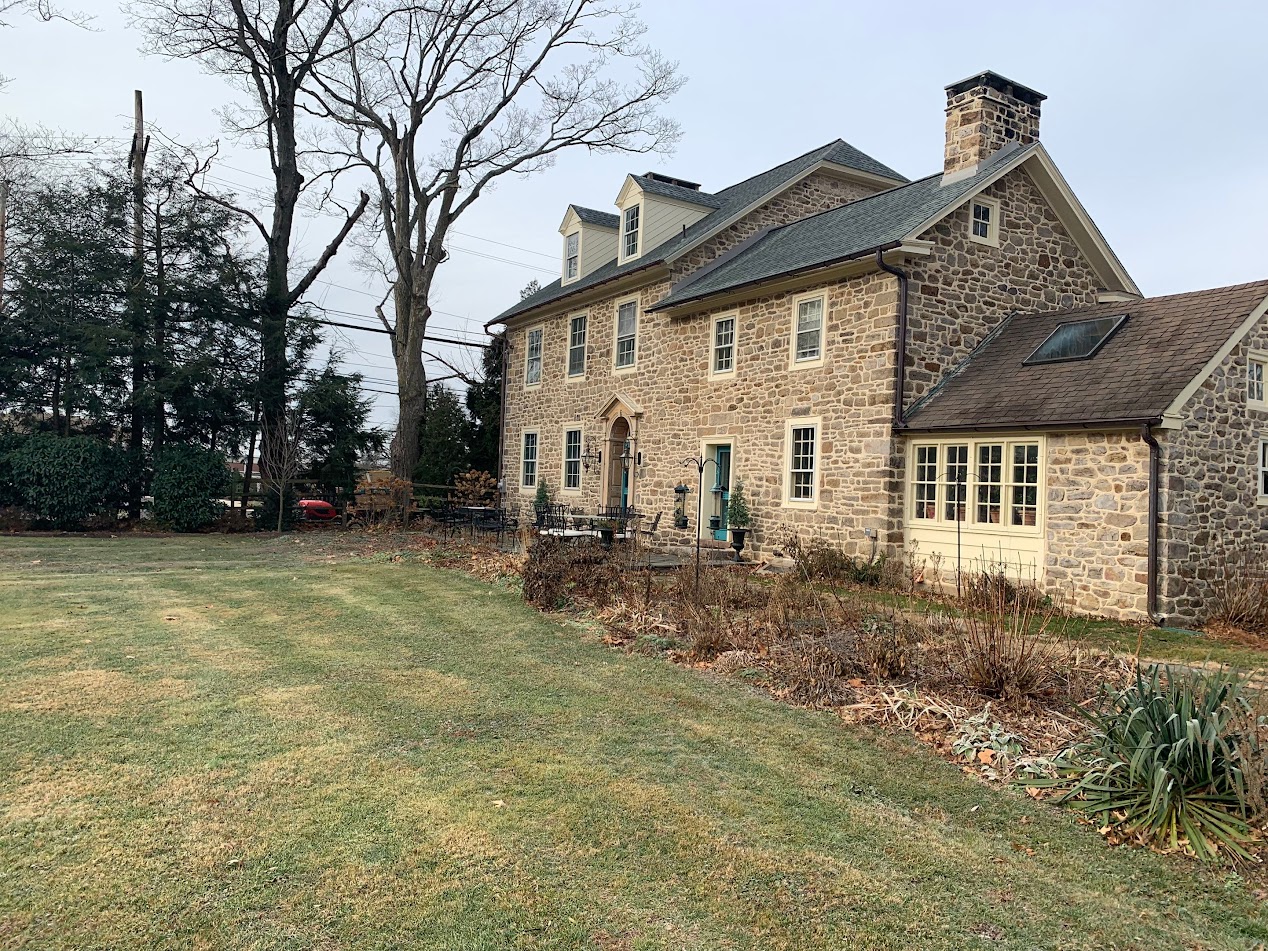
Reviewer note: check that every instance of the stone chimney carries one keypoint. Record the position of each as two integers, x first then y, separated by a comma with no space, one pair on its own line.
985,112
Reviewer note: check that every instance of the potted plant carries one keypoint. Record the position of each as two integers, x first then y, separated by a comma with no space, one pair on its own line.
738,517
607,529
541,502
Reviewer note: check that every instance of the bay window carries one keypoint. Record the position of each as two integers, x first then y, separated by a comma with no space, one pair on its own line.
1000,476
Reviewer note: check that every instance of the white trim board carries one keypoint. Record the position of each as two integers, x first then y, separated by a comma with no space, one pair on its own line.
1211,365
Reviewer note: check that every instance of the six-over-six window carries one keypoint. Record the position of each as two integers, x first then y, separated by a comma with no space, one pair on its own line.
984,482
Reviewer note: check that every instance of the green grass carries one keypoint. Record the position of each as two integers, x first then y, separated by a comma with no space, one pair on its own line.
217,742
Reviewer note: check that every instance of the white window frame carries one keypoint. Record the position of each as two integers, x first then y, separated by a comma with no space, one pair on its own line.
1257,387
573,258
973,501
1261,489
991,238
811,362
795,423
563,455
616,338
714,372
541,355
526,486
585,345
637,207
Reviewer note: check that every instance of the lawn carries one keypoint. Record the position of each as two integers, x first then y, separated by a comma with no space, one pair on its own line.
215,742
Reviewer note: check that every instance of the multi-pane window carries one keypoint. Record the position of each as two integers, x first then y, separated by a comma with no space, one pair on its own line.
926,482
626,333
984,221
528,461
533,358
1263,468
572,459
801,465
955,487
1025,484
577,346
630,231
724,345
990,482
1255,381
572,257
1000,477
809,345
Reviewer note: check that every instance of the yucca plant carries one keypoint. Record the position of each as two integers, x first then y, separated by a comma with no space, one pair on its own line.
1161,762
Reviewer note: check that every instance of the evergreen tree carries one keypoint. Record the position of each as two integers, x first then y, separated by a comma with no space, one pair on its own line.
443,438
335,434
484,405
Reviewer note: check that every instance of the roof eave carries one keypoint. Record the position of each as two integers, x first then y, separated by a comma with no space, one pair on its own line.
574,298
1124,422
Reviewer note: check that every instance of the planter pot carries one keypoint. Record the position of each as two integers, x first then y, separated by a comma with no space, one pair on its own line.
715,522
605,537
738,535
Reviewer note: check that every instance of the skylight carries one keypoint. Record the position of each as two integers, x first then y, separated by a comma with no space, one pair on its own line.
1076,340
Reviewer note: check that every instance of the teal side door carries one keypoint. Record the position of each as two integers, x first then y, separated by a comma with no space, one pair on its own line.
625,482
722,488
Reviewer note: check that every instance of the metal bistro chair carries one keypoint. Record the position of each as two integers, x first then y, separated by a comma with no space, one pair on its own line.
495,522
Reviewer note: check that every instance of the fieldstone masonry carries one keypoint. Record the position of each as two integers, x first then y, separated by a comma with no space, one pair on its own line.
985,113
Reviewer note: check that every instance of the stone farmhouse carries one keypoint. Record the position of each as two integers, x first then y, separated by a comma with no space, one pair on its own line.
958,363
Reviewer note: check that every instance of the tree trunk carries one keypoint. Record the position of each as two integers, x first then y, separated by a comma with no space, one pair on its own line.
159,423
136,434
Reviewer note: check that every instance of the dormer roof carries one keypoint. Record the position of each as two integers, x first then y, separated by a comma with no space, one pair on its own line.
591,216
732,203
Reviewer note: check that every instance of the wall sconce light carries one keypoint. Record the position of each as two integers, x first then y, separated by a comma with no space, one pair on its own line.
592,456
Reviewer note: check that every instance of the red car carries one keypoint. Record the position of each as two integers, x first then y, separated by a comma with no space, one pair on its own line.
317,510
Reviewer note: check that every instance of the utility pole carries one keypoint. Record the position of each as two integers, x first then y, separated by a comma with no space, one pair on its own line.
136,438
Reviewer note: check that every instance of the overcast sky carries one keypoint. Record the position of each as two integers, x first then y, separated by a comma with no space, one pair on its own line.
1157,114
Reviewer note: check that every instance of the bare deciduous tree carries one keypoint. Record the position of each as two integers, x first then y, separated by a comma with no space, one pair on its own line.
438,100
269,48
41,10
282,457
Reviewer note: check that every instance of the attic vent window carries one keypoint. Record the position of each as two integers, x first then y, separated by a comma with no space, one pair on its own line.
1076,340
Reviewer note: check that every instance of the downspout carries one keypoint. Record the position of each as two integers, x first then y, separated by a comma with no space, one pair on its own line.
1155,457
502,357
900,358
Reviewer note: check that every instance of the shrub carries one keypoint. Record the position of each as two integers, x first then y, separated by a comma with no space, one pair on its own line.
984,589
189,482
474,488
818,560
1005,648
9,444
888,646
541,498
558,574
66,480
737,510
1237,589
1161,762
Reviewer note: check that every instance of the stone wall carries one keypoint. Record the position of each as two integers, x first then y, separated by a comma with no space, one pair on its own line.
682,409
984,117
1097,528
964,288
1210,491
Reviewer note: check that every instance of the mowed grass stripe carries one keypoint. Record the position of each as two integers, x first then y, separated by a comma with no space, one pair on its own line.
273,753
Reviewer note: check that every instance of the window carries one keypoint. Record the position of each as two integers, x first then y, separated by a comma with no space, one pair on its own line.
1255,380
626,334
1263,470
723,345
1001,477
533,358
990,483
528,461
572,459
572,256
577,346
984,221
955,488
926,482
1076,340
808,336
1025,484
629,230
801,464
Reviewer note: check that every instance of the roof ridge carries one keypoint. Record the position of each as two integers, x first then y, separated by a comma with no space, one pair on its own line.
855,203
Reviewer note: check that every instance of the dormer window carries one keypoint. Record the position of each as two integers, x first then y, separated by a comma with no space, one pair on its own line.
629,231
984,221
572,256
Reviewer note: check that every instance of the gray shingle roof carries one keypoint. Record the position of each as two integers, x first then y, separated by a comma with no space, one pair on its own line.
730,201
591,216
1136,375
838,234
677,192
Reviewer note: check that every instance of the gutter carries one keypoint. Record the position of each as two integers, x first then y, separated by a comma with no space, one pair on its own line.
900,355
782,275
1067,424
1155,456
